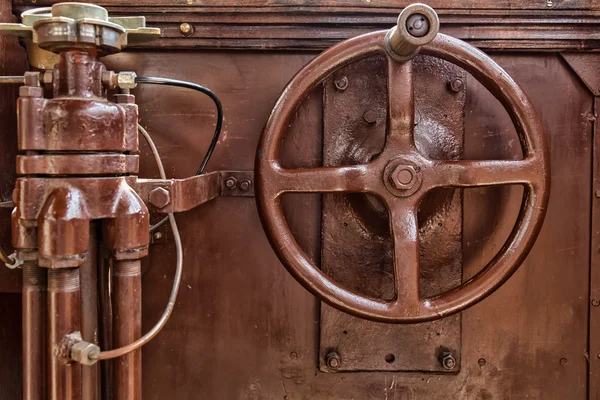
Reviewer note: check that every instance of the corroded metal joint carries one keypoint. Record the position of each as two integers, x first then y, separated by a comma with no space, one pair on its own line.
418,24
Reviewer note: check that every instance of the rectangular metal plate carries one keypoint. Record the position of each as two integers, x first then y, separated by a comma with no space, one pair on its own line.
356,244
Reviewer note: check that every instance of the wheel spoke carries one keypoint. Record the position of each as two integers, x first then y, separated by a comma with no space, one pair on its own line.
354,178
401,106
471,173
405,234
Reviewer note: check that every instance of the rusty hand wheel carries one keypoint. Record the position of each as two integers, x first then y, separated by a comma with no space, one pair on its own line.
401,176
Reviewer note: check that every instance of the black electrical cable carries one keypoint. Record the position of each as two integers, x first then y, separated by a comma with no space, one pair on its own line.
201,89
194,86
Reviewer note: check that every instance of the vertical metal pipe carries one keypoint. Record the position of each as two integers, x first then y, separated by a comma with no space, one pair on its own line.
88,274
106,317
64,318
127,327
34,331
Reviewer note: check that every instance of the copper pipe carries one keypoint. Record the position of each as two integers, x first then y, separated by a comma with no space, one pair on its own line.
88,275
106,316
64,318
34,329
127,325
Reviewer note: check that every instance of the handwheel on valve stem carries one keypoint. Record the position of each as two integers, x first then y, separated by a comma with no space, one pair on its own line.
401,175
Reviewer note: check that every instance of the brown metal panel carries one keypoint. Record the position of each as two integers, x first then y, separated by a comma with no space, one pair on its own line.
483,4
594,356
244,329
357,248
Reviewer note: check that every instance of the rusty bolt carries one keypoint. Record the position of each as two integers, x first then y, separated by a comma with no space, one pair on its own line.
333,360
231,183
370,117
341,84
597,194
157,235
403,177
482,362
186,29
159,197
596,302
126,80
448,361
563,361
456,85
245,185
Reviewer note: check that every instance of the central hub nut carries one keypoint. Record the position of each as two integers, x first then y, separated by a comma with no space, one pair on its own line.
403,177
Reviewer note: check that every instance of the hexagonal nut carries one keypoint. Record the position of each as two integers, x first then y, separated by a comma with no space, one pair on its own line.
81,352
159,197
31,91
126,80
48,79
404,177
448,362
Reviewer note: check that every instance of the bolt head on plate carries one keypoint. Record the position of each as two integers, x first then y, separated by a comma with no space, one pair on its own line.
448,362
159,197
404,177
333,360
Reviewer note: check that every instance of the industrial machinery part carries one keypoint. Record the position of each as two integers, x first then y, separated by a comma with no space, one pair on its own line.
401,175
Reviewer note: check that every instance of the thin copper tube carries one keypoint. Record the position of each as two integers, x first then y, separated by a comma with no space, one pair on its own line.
88,274
64,318
127,325
108,354
34,331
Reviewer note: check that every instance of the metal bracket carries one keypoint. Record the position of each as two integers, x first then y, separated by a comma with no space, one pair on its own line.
178,195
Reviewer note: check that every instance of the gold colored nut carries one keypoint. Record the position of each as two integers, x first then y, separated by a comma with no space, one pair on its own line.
81,352
126,80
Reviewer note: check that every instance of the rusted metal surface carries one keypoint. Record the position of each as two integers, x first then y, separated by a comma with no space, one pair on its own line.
34,331
357,249
527,340
509,340
127,327
409,305
594,295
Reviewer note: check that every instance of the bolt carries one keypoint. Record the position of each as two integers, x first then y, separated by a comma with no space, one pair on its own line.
563,361
549,3
448,361
245,185
597,193
186,29
159,197
456,85
333,360
294,355
231,183
82,352
403,177
417,25
126,80
157,235
341,84
481,362
598,356
370,117
596,302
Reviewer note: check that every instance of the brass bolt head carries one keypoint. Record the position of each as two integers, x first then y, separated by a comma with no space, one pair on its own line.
159,197
186,29
126,80
82,351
